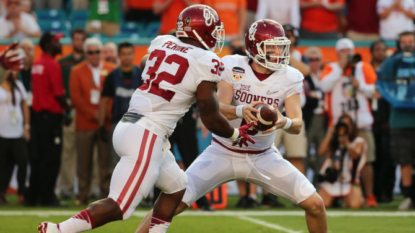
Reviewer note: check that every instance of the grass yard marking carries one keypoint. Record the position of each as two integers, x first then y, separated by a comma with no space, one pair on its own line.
266,224
226,213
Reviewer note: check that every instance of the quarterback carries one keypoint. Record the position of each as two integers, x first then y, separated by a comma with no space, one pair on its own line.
179,71
262,76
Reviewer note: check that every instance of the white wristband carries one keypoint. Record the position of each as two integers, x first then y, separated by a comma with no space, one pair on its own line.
238,111
235,135
288,124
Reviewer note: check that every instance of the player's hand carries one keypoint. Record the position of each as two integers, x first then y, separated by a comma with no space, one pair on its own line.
205,131
247,112
281,121
243,135
103,134
355,83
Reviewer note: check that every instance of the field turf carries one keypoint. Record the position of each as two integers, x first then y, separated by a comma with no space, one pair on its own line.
290,219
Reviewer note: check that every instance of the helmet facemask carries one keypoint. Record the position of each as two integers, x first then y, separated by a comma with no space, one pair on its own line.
219,35
273,54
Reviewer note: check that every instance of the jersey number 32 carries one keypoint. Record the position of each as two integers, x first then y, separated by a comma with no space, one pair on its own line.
155,78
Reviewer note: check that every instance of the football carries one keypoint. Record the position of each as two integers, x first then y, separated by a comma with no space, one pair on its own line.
267,116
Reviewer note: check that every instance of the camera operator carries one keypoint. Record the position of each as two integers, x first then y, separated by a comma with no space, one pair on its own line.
340,173
348,84
397,86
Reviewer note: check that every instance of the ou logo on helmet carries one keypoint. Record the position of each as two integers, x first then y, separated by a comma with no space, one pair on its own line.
252,31
209,16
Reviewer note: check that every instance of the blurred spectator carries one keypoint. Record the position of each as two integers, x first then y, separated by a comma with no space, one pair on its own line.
119,86
68,165
348,84
378,51
17,24
340,175
282,11
170,9
48,105
232,13
47,4
395,16
25,75
395,73
313,113
14,132
139,11
251,7
104,17
110,53
362,20
86,84
384,165
3,7
27,7
320,18
297,60
80,5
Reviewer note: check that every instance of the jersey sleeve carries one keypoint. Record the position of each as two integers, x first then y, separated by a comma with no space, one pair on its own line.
227,73
210,68
296,85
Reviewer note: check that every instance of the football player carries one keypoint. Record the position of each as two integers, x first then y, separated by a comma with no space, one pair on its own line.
179,71
262,76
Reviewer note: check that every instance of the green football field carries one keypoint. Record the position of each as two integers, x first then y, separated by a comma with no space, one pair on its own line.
291,219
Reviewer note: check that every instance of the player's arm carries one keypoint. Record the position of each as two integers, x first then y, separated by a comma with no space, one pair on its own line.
294,113
144,61
225,96
213,119
293,122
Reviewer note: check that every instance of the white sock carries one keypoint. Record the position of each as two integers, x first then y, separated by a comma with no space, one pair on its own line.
159,225
78,223
253,196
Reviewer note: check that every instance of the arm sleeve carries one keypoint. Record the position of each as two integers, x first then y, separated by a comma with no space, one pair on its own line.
109,88
76,96
367,80
297,88
227,73
55,75
329,77
209,68
261,12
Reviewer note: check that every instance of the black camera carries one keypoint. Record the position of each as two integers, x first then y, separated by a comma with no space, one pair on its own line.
331,175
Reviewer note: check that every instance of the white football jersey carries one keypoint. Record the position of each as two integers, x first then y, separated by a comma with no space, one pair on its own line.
248,88
171,76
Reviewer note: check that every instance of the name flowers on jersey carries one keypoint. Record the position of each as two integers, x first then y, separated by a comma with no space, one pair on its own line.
238,73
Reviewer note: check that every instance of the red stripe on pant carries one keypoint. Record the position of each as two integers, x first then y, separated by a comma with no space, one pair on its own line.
136,168
143,173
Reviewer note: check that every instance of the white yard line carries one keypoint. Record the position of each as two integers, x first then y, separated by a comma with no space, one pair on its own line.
225,213
266,224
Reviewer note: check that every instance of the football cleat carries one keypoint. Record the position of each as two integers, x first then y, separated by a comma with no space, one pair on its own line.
48,227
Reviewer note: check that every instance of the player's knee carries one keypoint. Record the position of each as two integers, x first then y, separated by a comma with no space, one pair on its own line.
315,205
356,204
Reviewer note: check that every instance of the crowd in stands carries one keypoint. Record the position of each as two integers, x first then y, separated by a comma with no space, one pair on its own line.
354,134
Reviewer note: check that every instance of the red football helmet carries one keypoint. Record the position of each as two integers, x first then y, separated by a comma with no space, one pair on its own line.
266,44
202,23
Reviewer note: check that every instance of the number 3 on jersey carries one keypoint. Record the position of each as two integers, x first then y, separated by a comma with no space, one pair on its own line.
155,77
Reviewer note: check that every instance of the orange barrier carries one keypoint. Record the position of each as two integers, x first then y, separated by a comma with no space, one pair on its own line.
329,53
218,198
